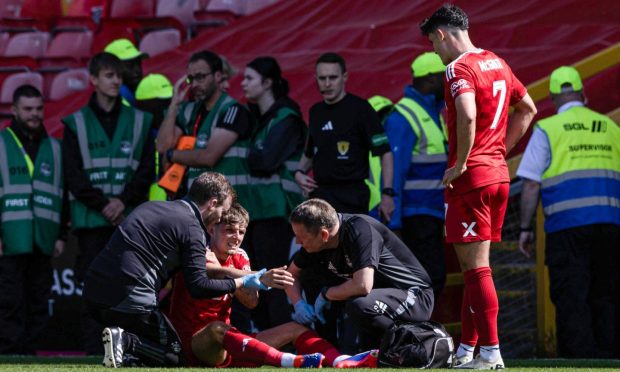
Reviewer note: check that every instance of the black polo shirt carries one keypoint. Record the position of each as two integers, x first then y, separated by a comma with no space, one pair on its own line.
365,242
340,137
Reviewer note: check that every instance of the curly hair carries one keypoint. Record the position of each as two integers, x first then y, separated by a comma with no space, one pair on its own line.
448,15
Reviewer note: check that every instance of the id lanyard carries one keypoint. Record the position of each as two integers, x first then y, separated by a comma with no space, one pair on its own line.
26,156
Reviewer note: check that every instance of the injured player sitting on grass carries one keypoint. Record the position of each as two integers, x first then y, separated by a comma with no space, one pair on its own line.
208,338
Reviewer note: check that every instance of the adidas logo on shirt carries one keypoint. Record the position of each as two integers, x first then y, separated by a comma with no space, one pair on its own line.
328,126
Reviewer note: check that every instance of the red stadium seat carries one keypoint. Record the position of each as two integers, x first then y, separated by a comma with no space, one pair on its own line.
74,24
28,44
4,41
18,64
254,6
10,8
235,7
71,44
181,10
68,82
16,80
112,29
160,41
15,25
132,8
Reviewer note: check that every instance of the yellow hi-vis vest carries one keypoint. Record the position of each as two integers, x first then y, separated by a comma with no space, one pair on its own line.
423,191
581,186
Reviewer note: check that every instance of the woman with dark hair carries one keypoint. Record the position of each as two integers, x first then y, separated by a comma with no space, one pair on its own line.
277,144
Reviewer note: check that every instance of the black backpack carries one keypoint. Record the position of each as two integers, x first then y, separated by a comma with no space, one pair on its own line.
417,345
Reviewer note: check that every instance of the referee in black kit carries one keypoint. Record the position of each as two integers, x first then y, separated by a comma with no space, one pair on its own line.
357,262
343,129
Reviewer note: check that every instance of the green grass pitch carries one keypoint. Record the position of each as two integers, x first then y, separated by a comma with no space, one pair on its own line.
32,364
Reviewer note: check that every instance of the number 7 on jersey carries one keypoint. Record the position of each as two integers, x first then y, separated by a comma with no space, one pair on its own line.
499,86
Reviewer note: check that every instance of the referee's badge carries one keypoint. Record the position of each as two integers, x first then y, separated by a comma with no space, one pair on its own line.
343,149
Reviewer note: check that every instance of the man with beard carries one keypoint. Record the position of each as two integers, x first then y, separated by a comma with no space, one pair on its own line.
155,241
416,132
32,230
108,159
220,124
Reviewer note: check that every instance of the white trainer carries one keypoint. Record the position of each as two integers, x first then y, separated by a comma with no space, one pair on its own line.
112,338
462,360
479,363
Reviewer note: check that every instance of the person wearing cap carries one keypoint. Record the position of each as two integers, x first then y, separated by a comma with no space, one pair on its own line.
416,132
131,59
108,165
383,106
153,95
573,162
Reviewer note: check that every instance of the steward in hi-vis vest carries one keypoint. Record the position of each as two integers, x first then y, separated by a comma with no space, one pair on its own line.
108,155
383,106
417,133
573,161
34,222
220,124
276,147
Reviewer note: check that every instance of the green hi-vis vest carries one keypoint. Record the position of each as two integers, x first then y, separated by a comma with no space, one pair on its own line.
233,163
581,186
109,165
31,204
278,195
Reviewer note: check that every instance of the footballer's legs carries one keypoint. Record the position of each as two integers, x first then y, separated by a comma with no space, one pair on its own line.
217,339
480,290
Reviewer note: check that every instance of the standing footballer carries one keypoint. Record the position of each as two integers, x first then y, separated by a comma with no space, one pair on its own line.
479,88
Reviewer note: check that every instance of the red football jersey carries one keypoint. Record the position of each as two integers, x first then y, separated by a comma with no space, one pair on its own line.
496,89
188,315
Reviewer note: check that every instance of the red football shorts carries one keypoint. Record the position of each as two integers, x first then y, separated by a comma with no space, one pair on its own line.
477,215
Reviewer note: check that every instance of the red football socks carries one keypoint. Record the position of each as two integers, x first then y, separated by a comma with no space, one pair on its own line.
248,349
469,335
310,342
480,290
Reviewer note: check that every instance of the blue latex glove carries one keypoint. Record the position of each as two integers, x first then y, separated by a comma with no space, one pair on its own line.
320,304
304,313
253,280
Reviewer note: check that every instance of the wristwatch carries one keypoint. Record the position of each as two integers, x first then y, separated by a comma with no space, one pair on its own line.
388,191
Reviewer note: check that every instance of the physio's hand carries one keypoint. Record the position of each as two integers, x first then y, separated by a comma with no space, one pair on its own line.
307,183
320,304
525,242
253,280
304,313
452,174
278,278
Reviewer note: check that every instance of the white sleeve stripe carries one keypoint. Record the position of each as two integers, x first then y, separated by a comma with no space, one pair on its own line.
230,115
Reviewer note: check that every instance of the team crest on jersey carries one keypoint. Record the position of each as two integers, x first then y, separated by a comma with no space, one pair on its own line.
201,141
343,149
458,85
45,169
126,147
